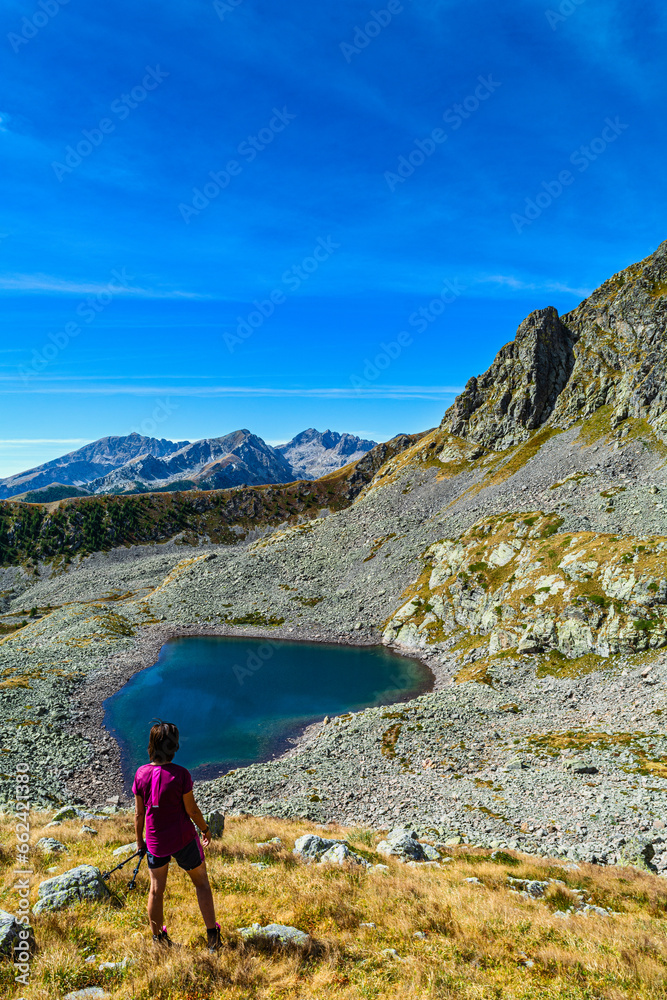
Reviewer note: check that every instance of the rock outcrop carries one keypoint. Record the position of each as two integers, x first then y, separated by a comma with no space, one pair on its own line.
519,391
523,584
610,351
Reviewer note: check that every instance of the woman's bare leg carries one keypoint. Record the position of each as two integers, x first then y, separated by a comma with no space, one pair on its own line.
201,883
156,897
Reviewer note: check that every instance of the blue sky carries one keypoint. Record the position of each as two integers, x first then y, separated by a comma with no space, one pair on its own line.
220,215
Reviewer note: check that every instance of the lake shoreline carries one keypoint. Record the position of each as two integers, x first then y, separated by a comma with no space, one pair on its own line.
120,667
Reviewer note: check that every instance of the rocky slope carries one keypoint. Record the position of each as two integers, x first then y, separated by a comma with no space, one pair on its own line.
521,557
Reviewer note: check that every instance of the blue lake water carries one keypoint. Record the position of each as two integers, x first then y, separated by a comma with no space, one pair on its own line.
236,701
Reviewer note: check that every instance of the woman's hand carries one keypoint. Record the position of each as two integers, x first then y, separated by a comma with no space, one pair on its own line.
206,836
141,845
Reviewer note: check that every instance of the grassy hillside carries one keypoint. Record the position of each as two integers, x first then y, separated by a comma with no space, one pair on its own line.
475,940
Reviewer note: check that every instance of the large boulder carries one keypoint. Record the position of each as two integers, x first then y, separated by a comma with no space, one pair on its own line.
310,847
402,844
10,934
216,822
75,886
275,934
340,854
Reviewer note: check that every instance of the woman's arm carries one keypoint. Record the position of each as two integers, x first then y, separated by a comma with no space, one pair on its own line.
194,812
139,817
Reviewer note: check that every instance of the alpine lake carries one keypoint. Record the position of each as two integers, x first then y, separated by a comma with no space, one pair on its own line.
238,701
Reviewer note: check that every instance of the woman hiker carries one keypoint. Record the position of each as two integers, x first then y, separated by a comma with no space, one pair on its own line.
164,801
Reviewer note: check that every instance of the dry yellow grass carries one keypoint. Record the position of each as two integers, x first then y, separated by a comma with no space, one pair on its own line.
477,936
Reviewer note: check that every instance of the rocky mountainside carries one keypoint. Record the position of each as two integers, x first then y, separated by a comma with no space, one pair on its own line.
88,463
138,464
313,453
518,550
240,458
611,351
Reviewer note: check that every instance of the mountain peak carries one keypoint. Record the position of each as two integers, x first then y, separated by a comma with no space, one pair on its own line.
314,453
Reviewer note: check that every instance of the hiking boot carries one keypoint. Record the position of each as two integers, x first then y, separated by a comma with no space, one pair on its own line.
162,938
213,938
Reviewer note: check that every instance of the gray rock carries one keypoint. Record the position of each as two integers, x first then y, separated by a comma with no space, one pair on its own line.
9,933
67,812
88,831
125,849
115,966
49,845
216,821
89,993
399,844
275,934
598,911
268,844
310,847
74,886
637,852
430,853
582,767
531,887
340,854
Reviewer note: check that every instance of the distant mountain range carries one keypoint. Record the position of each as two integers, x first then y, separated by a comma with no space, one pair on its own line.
136,464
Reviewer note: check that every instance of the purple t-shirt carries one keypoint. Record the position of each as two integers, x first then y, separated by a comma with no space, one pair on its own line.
162,787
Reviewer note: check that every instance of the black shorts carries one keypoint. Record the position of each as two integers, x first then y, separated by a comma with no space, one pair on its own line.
189,857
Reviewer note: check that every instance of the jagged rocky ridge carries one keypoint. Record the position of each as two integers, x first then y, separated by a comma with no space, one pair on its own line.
609,351
312,454
136,464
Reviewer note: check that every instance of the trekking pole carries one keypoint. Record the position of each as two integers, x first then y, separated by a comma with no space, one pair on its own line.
106,875
133,881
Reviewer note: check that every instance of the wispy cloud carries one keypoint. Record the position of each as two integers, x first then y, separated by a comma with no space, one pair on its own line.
62,286
44,387
519,284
